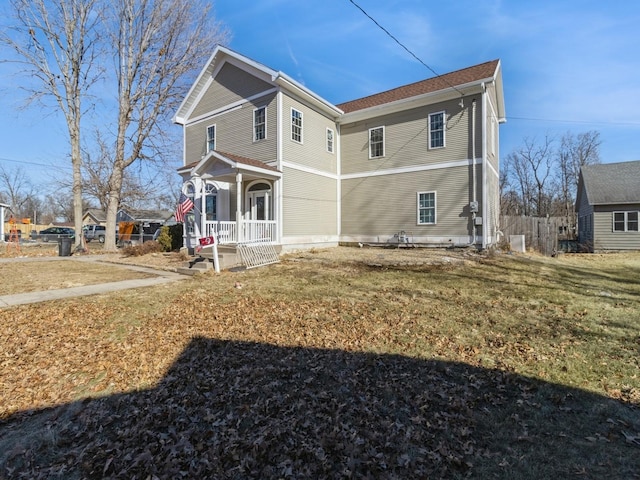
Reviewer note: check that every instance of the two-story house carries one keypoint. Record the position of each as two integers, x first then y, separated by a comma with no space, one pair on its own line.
265,157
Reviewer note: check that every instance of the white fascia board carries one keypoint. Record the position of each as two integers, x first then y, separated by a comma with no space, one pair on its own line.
409,169
291,85
234,166
413,102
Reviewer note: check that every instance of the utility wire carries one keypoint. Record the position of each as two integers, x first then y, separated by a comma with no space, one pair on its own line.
403,46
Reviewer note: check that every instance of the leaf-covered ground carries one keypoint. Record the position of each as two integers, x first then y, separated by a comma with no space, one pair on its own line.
316,368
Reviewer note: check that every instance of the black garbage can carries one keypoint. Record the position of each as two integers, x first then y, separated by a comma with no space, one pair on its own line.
64,246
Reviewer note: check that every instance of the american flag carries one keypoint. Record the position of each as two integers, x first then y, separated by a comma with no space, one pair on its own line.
185,204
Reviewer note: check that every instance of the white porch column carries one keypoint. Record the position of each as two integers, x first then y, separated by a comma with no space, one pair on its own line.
2,207
239,207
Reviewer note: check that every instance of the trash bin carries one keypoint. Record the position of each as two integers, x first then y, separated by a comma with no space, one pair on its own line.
64,246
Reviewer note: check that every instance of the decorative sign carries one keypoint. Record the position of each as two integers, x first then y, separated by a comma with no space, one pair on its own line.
204,241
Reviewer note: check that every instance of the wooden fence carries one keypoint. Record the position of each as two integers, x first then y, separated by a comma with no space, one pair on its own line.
540,233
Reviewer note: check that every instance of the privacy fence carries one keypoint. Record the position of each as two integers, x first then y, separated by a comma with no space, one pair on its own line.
541,233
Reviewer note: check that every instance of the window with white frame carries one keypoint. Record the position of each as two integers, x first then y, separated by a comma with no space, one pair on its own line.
296,125
426,208
211,138
259,124
211,202
329,140
436,130
190,218
625,221
376,142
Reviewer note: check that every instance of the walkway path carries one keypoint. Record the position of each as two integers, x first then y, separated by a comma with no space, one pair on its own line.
161,277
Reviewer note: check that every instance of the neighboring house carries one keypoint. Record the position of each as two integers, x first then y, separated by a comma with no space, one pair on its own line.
608,206
265,157
3,208
146,221
94,216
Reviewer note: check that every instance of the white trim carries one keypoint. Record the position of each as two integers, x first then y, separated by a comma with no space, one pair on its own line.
301,141
435,208
485,193
383,142
444,130
279,186
314,171
411,169
255,140
237,105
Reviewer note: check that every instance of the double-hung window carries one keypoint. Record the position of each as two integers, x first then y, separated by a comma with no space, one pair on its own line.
376,142
259,124
296,125
625,221
329,140
211,138
426,208
436,130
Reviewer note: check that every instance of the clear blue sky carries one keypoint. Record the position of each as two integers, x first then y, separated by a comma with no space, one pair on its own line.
567,65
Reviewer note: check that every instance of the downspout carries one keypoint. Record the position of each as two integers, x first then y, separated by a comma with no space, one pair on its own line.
474,202
280,182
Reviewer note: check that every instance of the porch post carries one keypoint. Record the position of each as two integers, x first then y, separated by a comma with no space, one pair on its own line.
239,207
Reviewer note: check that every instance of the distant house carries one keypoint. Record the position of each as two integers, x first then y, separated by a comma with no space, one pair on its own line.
608,206
266,157
3,208
94,216
145,222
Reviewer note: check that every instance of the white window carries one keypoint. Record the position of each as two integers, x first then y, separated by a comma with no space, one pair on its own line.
625,221
376,142
426,208
329,140
211,138
259,124
436,130
296,125
211,202
190,218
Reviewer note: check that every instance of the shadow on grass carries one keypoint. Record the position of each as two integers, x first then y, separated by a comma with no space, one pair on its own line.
252,410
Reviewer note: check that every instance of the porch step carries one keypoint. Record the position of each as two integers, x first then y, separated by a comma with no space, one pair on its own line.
203,261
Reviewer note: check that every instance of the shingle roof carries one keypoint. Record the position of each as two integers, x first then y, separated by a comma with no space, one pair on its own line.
247,161
611,183
442,82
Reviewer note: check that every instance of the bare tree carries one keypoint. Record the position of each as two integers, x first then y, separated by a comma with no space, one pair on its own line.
532,167
16,190
55,43
159,45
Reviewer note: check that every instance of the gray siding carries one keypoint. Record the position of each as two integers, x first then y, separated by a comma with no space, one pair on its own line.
384,205
312,152
604,236
407,137
234,133
231,85
309,204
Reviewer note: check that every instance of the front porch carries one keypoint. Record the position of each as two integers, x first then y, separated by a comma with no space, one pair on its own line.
229,233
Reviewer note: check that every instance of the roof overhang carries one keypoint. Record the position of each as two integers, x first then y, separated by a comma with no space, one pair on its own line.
218,166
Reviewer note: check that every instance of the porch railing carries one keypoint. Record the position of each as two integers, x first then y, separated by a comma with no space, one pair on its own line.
228,232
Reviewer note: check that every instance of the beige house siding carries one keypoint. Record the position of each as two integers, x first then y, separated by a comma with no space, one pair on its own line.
231,85
309,204
605,237
373,207
407,139
234,132
312,152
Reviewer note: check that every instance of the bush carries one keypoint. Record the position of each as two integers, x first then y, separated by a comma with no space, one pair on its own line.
164,239
150,246
175,232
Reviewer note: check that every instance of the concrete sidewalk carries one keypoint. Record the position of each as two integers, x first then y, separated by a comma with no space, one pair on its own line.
162,277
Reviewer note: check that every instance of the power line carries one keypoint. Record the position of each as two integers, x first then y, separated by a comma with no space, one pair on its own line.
26,162
403,46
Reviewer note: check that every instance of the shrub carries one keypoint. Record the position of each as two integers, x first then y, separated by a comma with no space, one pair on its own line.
164,239
150,246
175,232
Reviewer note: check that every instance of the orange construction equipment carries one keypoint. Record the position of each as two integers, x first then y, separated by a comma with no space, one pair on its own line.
14,237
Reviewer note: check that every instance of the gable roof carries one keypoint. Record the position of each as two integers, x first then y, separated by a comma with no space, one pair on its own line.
221,55
612,183
484,72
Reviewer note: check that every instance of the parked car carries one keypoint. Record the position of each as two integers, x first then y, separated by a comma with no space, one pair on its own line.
55,233
94,232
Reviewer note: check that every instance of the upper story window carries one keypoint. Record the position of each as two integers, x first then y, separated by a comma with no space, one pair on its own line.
329,140
211,138
625,221
436,130
259,124
296,125
426,208
376,142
